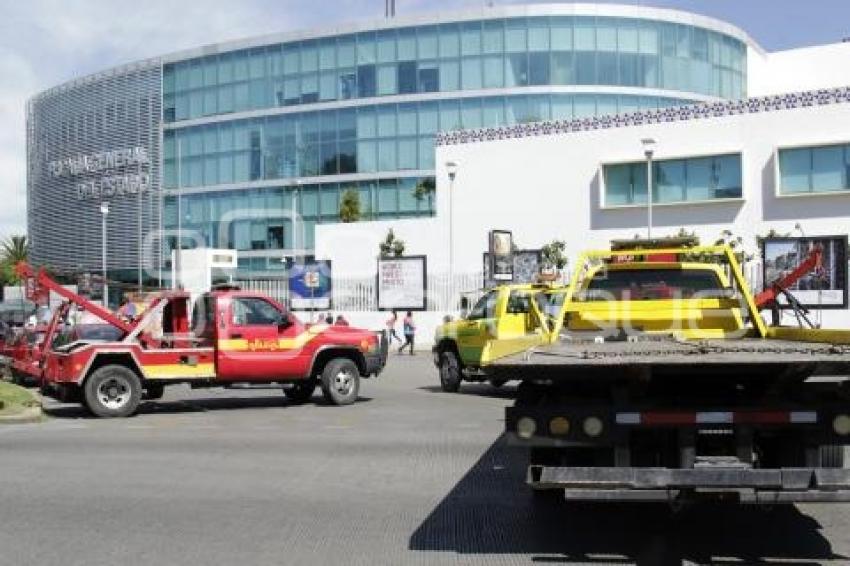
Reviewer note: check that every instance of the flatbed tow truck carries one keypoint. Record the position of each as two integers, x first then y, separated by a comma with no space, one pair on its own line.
658,380
229,336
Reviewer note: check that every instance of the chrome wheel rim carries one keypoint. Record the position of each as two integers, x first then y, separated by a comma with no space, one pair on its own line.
344,382
114,393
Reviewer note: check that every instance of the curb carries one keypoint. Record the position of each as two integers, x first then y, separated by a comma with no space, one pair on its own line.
33,415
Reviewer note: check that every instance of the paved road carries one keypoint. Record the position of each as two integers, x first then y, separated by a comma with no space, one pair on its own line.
408,475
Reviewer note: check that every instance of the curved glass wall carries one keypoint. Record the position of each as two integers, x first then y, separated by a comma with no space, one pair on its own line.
499,53
369,139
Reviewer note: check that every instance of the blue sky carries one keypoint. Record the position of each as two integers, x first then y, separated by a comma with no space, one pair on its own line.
46,42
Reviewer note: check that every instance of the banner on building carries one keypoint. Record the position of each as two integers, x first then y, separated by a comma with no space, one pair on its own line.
501,255
403,283
310,286
824,287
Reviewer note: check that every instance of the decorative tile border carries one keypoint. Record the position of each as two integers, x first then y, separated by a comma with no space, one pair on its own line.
665,115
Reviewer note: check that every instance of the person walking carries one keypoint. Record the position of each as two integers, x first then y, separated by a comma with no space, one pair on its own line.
391,331
409,333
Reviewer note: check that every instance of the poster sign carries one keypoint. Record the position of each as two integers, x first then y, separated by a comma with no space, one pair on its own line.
526,267
825,287
402,283
501,255
310,285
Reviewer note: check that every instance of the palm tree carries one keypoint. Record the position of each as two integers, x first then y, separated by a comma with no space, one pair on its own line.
15,249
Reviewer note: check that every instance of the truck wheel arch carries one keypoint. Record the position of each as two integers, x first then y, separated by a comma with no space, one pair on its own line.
324,355
113,358
449,345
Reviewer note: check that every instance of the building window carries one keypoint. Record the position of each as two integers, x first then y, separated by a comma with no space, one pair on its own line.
820,169
695,179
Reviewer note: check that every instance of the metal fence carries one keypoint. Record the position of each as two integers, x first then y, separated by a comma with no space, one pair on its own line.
361,295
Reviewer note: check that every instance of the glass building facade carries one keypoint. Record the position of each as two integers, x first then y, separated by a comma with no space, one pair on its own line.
694,179
818,169
296,124
253,143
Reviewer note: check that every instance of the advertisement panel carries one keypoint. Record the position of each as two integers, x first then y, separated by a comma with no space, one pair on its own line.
402,283
501,255
825,287
526,267
310,286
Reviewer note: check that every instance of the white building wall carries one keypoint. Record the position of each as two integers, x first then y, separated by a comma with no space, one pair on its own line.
545,187
795,70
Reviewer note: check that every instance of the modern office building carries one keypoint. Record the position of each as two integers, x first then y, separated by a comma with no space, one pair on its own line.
252,144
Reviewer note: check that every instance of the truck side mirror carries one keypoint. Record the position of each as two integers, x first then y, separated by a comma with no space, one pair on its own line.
283,322
464,303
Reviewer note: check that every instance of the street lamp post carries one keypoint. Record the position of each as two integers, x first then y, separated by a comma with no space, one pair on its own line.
294,219
177,266
451,169
104,212
648,144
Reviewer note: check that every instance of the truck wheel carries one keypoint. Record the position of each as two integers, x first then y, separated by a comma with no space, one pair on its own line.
450,374
300,391
832,456
153,392
113,391
341,381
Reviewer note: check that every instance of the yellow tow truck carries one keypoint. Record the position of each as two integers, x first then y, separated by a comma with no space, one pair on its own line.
504,320
657,379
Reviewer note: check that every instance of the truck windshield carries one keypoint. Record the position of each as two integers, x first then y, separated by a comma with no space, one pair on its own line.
647,284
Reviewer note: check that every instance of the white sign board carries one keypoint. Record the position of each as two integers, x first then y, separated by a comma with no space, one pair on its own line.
402,283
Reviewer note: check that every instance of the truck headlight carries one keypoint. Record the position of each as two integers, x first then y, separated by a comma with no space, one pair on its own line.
526,427
841,425
592,426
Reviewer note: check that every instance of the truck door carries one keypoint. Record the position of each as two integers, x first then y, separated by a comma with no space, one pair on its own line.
258,341
477,328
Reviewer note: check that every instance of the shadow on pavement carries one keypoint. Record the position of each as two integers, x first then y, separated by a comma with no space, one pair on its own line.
477,389
199,405
490,511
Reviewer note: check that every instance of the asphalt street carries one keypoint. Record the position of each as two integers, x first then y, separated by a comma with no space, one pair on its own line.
408,475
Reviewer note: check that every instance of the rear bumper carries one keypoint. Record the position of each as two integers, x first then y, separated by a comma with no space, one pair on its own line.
744,485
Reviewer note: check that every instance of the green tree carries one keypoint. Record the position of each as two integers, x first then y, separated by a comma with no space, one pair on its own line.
425,188
554,254
391,246
13,250
349,206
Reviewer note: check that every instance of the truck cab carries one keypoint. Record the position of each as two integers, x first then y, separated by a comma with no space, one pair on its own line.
504,319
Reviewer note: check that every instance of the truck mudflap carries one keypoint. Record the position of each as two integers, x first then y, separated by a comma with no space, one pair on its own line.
744,485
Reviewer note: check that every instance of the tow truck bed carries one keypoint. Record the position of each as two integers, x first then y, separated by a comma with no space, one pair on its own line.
569,357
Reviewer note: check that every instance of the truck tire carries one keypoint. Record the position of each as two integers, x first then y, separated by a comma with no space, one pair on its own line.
113,391
341,381
300,391
450,372
832,456
153,392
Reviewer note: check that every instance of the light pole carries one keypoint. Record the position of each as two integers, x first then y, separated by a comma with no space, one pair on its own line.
104,212
177,267
648,144
294,219
451,169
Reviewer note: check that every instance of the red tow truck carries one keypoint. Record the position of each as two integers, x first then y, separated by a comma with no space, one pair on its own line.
228,336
